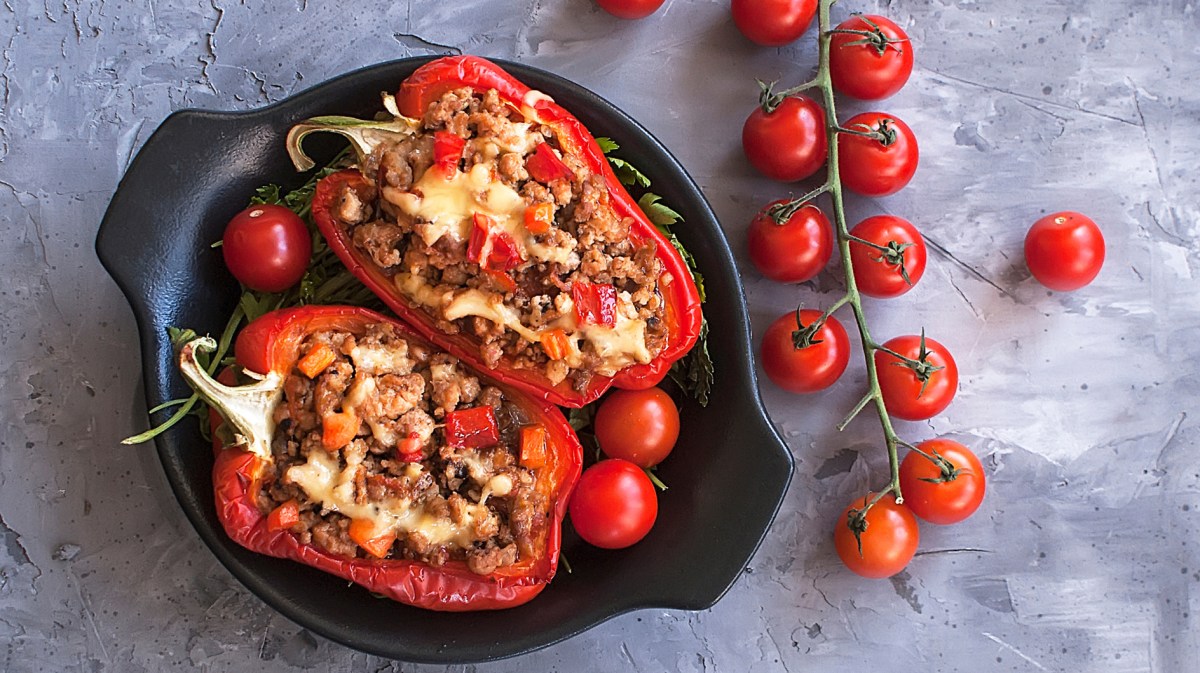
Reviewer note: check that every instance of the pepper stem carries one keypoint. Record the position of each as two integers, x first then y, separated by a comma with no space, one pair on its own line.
249,409
364,134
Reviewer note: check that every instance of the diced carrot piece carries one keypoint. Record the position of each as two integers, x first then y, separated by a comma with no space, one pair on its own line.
362,531
338,430
316,360
284,516
533,446
554,342
539,217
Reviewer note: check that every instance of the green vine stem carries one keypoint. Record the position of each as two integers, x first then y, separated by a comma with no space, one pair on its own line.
833,187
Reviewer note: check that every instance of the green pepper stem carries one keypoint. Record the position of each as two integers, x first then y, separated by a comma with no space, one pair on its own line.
250,409
364,134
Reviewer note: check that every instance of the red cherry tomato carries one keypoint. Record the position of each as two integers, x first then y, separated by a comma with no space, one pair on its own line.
789,142
630,9
773,23
794,251
267,247
640,426
1064,251
942,494
877,273
905,394
811,368
870,167
888,542
614,504
873,66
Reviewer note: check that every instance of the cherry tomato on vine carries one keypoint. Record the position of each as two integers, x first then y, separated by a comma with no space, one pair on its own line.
797,249
889,539
630,9
938,493
1064,251
773,23
614,504
873,63
891,272
814,366
640,426
267,247
872,166
921,389
788,143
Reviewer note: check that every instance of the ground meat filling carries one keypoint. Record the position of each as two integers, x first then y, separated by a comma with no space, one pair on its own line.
585,242
441,503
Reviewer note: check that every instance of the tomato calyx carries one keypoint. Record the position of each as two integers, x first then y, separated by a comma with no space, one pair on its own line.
806,335
921,367
769,99
948,470
874,37
891,254
883,134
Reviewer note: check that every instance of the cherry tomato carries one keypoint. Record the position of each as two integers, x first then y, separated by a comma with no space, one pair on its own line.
1064,251
794,251
920,393
942,494
773,23
640,426
870,167
878,273
888,542
813,367
789,142
614,504
630,9
267,247
873,66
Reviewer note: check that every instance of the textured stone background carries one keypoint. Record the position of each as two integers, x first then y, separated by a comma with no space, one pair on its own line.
1085,554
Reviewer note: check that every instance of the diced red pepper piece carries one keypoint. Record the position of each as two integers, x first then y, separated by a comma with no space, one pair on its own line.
539,217
595,304
554,342
316,360
533,446
544,165
409,449
284,516
447,152
472,428
338,429
491,247
361,531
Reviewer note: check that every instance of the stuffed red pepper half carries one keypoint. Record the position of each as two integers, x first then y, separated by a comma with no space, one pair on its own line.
487,216
365,451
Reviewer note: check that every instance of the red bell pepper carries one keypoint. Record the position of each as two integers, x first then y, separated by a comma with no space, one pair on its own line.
473,428
595,304
447,152
270,346
544,165
491,247
682,317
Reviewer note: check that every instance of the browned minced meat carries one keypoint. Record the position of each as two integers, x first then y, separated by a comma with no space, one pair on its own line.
413,391
601,250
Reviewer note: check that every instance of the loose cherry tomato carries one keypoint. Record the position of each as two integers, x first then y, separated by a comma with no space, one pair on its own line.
614,504
874,167
921,389
872,63
1064,251
890,272
630,9
789,142
889,539
640,426
267,247
797,249
773,23
942,493
812,367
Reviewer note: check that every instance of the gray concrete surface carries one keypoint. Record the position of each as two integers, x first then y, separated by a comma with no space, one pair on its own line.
1084,556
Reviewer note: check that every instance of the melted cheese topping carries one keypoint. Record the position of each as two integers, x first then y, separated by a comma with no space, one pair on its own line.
324,483
446,207
619,346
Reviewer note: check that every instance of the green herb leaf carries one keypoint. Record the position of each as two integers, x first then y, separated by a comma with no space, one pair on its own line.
627,174
607,144
694,372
